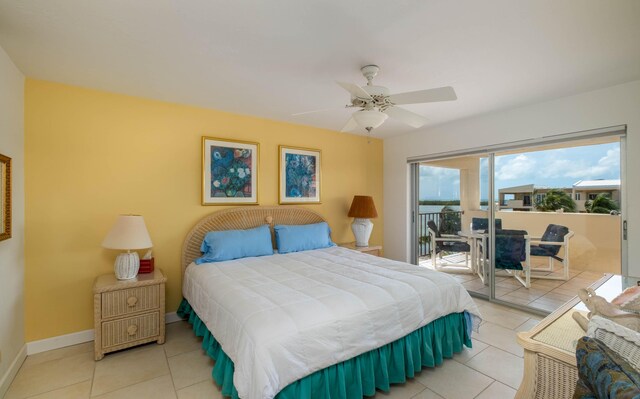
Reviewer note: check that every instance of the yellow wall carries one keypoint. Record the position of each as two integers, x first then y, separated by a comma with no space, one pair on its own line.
91,155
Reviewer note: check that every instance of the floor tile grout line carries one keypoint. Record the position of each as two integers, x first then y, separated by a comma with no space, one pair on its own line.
504,383
54,389
484,389
173,384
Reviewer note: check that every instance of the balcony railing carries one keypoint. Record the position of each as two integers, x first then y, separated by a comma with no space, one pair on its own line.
447,222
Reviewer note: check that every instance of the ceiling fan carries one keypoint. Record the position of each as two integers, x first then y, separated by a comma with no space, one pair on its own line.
377,104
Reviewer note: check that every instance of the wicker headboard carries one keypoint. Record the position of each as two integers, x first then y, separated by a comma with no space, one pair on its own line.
243,218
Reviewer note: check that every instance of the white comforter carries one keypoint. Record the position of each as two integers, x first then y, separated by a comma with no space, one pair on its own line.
283,317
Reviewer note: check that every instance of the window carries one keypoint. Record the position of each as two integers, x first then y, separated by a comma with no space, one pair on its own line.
592,196
526,200
507,198
539,197
577,197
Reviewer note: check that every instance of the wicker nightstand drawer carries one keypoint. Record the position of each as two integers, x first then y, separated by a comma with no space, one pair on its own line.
132,300
129,312
135,328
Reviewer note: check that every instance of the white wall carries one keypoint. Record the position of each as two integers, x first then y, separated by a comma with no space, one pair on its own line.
616,105
12,250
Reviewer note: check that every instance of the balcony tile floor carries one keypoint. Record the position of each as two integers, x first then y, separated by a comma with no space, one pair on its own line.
546,295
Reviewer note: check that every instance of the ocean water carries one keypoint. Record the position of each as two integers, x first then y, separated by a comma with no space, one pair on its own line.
436,208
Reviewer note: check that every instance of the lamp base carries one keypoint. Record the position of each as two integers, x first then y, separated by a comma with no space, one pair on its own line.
362,229
127,265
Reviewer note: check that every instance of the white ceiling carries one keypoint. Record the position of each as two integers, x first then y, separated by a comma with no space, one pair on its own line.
275,58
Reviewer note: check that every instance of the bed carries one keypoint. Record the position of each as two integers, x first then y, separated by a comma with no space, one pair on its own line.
326,323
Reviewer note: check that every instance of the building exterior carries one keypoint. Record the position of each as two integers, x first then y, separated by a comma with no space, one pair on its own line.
585,190
524,198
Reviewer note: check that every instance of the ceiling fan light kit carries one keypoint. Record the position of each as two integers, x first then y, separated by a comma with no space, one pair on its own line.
369,118
377,104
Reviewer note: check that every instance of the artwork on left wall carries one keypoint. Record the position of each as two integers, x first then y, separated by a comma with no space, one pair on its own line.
229,172
5,197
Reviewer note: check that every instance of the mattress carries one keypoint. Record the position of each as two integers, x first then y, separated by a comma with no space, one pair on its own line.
282,317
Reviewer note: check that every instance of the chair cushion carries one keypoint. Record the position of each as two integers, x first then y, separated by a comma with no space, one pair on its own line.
456,246
483,223
510,249
432,226
554,233
539,250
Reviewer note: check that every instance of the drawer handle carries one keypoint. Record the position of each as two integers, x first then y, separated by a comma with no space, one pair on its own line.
132,329
132,301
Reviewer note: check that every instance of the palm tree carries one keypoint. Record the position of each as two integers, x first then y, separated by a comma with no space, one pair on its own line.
450,222
601,204
556,199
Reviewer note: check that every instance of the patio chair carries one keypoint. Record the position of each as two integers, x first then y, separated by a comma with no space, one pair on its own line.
554,238
483,224
512,249
447,243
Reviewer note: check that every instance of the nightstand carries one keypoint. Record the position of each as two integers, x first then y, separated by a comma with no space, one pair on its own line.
375,250
128,313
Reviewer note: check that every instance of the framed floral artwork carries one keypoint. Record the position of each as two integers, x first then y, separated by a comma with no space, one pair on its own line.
229,172
300,173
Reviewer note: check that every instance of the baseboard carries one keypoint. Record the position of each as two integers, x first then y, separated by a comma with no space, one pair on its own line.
172,317
60,341
11,372
76,338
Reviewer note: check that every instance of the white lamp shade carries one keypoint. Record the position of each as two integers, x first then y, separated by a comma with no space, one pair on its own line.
129,232
369,118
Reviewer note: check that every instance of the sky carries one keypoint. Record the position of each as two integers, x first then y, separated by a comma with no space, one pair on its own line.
551,168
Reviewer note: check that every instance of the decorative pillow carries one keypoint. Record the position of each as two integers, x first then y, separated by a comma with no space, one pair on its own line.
602,373
304,237
234,244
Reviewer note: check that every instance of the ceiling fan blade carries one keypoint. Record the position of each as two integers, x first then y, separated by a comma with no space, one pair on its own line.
425,96
355,90
316,110
410,118
351,124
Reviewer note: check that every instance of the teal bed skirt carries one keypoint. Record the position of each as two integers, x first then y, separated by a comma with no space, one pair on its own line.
358,376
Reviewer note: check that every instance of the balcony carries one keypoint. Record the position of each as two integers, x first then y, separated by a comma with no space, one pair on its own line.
594,251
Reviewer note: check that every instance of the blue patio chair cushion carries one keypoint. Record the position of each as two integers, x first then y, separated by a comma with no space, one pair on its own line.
537,250
451,246
483,224
456,246
553,233
432,226
510,249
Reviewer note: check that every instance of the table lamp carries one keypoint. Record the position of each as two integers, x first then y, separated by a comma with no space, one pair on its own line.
129,233
362,209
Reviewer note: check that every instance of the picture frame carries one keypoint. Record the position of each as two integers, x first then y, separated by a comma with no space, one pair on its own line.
230,170
299,175
5,197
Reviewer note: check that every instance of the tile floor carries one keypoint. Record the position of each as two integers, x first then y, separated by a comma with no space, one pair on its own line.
546,295
180,369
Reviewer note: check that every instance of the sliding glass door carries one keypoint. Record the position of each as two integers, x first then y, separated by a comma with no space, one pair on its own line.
562,204
527,226
452,196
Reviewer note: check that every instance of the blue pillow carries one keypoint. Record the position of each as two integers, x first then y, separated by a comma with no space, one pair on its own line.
233,244
294,238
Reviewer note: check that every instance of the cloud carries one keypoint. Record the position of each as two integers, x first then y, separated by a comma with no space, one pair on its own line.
519,167
608,165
